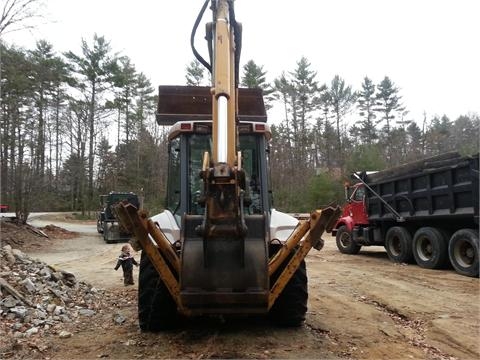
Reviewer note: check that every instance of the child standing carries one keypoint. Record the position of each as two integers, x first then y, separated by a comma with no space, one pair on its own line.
127,261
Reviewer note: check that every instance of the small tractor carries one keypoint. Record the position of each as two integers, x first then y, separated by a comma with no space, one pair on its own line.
219,247
107,222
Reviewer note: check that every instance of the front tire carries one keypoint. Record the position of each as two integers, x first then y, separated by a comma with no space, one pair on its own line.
398,243
345,242
291,306
156,308
430,248
463,251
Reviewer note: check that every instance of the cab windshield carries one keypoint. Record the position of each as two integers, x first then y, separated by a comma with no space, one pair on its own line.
199,143
194,147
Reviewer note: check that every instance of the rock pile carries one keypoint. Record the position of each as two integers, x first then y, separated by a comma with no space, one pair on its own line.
26,237
36,297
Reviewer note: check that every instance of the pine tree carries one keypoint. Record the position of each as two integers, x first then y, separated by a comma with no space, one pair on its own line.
388,103
145,100
49,77
125,81
465,134
414,141
17,125
366,106
254,77
95,69
342,100
106,171
195,73
438,137
307,92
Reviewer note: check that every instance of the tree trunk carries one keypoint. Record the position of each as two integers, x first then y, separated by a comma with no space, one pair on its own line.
57,142
5,139
21,208
41,141
91,154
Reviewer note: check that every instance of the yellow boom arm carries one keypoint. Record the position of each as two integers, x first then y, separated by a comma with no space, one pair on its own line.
224,87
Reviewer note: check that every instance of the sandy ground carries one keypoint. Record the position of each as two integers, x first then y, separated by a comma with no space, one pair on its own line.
360,307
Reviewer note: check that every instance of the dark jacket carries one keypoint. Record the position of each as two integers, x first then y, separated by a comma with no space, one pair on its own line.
126,261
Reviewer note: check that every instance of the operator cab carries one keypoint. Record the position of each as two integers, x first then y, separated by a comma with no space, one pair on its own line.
189,140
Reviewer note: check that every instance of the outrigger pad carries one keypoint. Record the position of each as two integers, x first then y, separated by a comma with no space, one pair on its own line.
182,103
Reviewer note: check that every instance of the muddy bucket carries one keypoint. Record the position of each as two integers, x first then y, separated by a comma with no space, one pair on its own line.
183,103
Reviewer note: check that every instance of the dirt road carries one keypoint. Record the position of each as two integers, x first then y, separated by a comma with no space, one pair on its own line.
360,307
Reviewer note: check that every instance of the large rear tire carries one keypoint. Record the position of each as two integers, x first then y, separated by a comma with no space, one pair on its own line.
463,251
291,306
430,248
345,242
398,243
156,308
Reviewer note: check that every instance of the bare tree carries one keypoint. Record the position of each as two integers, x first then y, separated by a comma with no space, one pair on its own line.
20,14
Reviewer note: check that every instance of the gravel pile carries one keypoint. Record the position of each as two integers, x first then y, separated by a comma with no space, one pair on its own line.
36,298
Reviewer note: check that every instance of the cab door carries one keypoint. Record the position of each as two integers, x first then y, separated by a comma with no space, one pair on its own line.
358,207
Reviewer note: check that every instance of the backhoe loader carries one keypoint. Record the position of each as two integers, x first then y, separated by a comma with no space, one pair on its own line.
220,247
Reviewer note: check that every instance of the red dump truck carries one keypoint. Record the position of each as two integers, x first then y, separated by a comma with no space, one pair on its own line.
424,211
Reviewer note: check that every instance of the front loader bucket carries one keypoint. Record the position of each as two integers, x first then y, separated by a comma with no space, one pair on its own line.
225,275
182,103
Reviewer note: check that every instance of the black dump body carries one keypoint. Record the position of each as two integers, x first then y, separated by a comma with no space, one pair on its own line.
442,189
115,198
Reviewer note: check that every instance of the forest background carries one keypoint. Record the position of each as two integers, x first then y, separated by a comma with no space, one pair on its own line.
75,125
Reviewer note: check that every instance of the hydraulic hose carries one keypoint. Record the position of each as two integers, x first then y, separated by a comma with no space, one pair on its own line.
238,40
192,37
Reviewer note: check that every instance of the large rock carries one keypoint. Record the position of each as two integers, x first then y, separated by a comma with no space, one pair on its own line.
37,298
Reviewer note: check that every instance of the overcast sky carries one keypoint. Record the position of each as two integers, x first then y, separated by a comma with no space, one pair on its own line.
429,48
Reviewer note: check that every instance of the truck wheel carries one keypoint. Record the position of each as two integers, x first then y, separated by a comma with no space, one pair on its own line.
345,243
156,308
463,251
430,248
99,227
105,232
291,306
398,243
